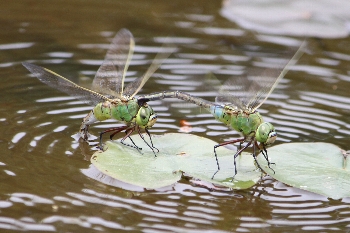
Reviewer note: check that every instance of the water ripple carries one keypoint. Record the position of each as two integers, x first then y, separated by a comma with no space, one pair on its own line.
14,224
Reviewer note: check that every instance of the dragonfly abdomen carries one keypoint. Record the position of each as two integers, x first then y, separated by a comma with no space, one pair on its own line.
221,114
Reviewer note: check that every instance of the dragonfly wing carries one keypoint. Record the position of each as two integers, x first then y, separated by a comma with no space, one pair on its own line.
268,89
62,84
134,87
251,92
235,92
224,91
105,79
109,78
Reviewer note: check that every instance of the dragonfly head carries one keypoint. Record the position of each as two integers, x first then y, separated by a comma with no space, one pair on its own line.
146,117
266,133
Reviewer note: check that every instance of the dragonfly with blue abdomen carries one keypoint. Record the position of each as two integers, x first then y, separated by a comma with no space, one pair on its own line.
237,107
109,96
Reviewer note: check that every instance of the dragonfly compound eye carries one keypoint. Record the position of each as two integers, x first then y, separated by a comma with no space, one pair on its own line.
145,117
266,133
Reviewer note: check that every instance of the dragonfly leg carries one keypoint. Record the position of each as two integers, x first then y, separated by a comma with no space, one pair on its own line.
128,133
150,138
152,147
236,155
264,152
116,130
267,159
254,154
216,156
240,145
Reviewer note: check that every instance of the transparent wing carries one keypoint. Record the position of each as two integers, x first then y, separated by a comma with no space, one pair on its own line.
292,62
106,79
109,78
62,84
134,87
236,91
247,92
252,91
232,92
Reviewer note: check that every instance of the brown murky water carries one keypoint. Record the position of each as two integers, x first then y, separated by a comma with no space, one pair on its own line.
44,186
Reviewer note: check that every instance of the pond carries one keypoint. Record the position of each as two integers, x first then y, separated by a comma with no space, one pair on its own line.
44,182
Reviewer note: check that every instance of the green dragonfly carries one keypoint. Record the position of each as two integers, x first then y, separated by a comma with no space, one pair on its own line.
109,96
236,107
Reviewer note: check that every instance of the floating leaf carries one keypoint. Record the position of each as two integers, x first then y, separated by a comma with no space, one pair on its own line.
317,167
178,153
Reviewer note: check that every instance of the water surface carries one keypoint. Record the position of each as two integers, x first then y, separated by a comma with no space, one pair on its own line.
44,187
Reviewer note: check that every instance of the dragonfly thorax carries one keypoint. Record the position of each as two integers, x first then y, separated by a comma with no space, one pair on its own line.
125,110
116,109
246,122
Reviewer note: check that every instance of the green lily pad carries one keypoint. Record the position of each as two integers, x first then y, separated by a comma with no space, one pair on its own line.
178,153
317,167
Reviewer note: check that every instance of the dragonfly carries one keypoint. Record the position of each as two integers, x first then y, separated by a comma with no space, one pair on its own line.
237,107
111,98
